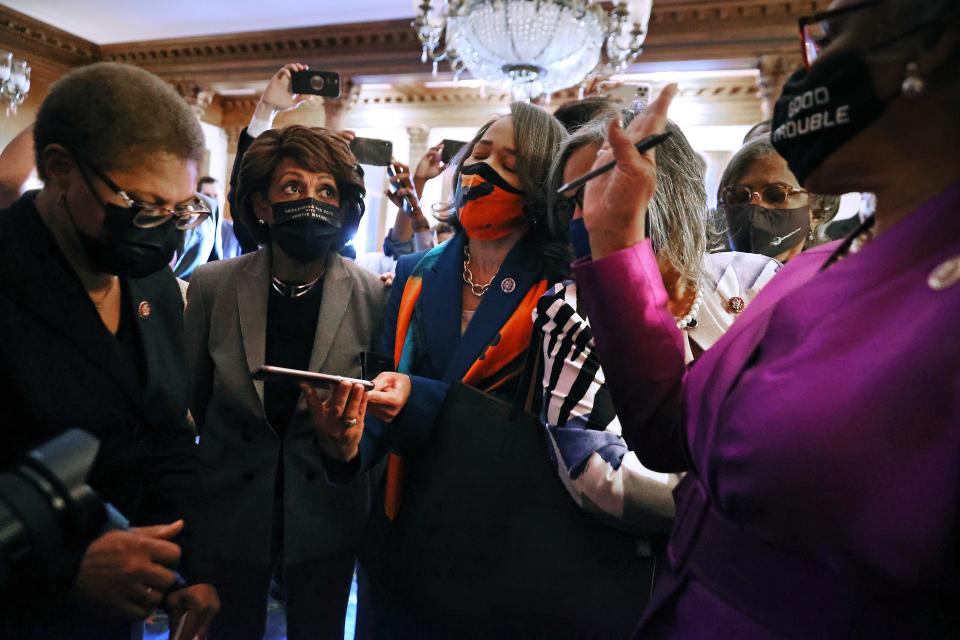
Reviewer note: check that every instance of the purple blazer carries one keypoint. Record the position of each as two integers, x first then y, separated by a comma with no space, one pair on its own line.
821,435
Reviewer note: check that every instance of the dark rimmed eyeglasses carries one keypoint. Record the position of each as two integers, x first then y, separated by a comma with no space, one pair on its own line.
566,207
776,195
188,214
817,30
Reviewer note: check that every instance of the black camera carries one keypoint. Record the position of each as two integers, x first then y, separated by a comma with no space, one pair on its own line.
47,511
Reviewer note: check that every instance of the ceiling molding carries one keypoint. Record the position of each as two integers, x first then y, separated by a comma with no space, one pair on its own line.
38,41
353,49
680,30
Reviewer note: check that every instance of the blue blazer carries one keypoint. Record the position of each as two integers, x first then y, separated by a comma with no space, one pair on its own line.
448,354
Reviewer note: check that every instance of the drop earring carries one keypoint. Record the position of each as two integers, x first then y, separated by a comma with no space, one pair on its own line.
913,85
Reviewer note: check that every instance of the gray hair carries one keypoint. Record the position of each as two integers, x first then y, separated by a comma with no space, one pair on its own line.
536,137
536,134
677,215
823,208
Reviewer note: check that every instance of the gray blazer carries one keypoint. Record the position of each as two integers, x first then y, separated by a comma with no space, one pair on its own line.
225,320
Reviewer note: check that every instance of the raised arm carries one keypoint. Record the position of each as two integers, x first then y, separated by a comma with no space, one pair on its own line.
623,294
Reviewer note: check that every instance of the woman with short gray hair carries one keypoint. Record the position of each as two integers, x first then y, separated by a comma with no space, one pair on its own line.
763,206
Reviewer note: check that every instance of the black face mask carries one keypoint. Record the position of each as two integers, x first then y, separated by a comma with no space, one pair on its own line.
305,229
770,232
124,249
822,109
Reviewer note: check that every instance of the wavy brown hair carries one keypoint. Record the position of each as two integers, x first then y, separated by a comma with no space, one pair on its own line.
314,149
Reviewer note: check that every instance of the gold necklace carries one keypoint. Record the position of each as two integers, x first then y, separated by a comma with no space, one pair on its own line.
99,304
476,289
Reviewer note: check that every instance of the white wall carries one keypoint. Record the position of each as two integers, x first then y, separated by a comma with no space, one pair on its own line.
216,160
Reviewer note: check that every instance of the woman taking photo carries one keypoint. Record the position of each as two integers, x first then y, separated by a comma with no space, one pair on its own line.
91,321
822,452
281,462
462,313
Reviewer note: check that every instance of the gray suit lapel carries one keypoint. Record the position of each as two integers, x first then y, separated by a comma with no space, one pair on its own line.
252,292
337,290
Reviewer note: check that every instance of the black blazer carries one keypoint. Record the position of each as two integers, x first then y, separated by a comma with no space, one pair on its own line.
61,368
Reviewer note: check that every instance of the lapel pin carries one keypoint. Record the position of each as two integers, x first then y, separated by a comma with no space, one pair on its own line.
508,285
144,310
736,304
945,275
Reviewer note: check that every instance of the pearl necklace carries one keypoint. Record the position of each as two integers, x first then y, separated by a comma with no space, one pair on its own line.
689,321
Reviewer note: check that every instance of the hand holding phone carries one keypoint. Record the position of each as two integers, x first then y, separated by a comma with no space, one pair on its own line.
296,376
338,420
315,83
405,195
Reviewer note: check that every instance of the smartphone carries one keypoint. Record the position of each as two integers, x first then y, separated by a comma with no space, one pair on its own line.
410,201
268,373
629,94
317,83
373,364
371,151
450,149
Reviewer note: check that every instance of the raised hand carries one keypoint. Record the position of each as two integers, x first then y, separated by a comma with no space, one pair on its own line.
405,197
430,166
615,203
277,96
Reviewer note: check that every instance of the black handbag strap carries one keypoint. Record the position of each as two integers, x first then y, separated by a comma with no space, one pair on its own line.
529,391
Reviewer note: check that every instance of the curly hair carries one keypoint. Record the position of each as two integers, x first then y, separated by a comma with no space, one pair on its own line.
313,148
114,116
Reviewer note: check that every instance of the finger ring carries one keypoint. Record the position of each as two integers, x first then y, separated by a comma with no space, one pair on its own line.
348,422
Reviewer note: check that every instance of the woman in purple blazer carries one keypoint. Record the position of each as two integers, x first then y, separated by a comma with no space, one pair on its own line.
821,433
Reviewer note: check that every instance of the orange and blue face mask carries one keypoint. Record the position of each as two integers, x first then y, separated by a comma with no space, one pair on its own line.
488,208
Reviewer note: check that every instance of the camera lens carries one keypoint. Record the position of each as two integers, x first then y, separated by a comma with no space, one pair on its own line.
316,82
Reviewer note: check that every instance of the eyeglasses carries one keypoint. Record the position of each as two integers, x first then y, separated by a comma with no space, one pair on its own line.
188,214
566,207
776,195
817,30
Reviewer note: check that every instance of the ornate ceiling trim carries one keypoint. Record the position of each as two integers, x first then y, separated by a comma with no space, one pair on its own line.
39,41
679,30
353,49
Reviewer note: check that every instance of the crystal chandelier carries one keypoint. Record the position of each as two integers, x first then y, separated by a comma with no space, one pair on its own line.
535,47
14,81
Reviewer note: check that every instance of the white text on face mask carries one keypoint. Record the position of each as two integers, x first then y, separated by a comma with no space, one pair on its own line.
813,122
815,97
